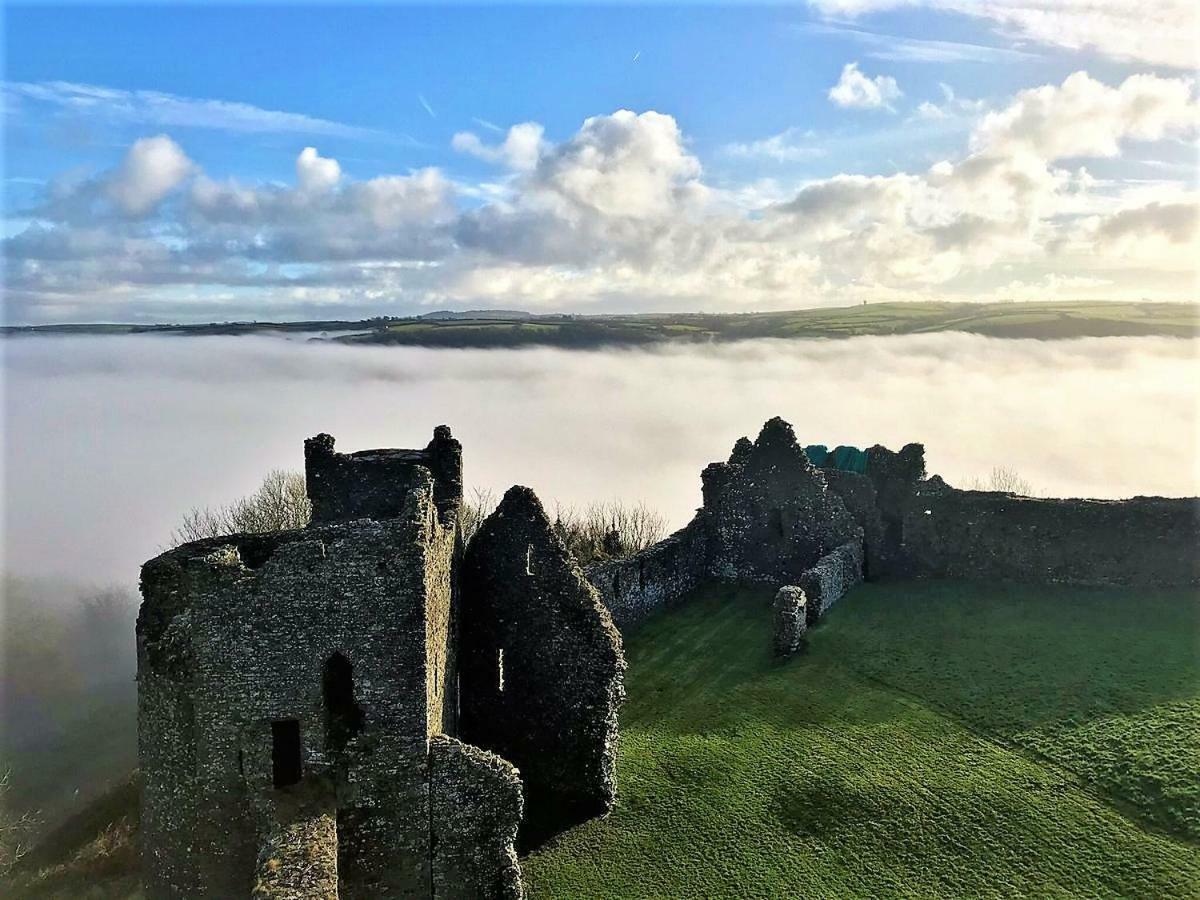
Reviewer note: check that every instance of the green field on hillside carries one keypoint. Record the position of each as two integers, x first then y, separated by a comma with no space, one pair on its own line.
1041,320
935,740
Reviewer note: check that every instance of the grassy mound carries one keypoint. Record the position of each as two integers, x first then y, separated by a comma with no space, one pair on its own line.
936,739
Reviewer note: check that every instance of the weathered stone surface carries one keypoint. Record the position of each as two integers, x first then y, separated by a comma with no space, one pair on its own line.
298,857
235,636
477,806
829,580
950,533
634,587
768,512
791,620
372,484
541,666
296,690
858,494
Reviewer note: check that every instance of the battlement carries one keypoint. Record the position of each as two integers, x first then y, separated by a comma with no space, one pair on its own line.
373,484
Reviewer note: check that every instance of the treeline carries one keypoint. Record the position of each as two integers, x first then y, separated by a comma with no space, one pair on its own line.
598,531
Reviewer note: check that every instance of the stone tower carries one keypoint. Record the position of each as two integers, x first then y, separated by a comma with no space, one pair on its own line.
298,699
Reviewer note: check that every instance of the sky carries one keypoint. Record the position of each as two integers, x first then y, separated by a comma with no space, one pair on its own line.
185,162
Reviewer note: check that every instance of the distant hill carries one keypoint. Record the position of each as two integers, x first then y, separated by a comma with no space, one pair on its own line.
482,314
514,328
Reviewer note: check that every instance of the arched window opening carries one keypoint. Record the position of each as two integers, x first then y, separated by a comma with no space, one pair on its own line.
343,717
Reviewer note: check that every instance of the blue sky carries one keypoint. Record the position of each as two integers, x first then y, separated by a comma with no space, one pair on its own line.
756,118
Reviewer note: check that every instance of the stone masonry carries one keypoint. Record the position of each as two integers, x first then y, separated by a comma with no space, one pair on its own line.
541,667
299,696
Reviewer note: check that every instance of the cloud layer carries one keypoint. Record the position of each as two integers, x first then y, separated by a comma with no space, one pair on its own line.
174,423
1163,32
620,215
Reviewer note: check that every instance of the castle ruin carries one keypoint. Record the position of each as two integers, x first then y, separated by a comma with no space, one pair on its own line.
366,708
354,709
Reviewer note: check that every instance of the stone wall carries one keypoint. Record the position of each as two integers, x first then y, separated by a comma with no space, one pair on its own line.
790,620
830,578
541,666
768,512
476,812
858,494
1145,541
372,484
236,636
655,578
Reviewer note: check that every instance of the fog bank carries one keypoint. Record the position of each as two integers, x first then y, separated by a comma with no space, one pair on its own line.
108,440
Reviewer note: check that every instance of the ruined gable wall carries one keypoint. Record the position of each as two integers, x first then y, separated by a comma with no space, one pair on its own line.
528,613
768,512
634,587
256,618
979,534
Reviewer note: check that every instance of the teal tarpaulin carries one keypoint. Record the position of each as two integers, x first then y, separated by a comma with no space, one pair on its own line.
848,459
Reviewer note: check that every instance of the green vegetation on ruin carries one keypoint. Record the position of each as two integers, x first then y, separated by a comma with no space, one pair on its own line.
1043,320
934,739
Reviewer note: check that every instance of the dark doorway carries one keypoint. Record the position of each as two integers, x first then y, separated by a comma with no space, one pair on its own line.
343,717
285,752
775,522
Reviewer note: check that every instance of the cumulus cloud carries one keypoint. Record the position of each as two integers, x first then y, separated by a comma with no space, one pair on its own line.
620,216
520,149
858,91
314,173
152,168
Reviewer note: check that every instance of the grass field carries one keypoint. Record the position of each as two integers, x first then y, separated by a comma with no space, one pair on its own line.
935,740
1043,320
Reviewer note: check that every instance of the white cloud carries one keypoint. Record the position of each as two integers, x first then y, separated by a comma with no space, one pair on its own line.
314,173
520,149
792,145
619,215
152,168
858,91
1085,117
1163,32
171,110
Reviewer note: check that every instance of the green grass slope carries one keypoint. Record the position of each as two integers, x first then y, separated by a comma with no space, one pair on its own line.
890,759
936,739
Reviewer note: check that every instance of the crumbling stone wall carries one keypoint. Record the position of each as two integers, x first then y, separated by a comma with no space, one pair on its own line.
832,576
768,512
655,578
540,665
859,497
298,856
233,638
790,620
476,810
1149,541
372,484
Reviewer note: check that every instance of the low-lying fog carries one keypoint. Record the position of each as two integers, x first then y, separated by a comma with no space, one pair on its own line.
110,439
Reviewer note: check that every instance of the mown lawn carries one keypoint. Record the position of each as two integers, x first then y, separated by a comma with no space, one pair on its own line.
936,739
